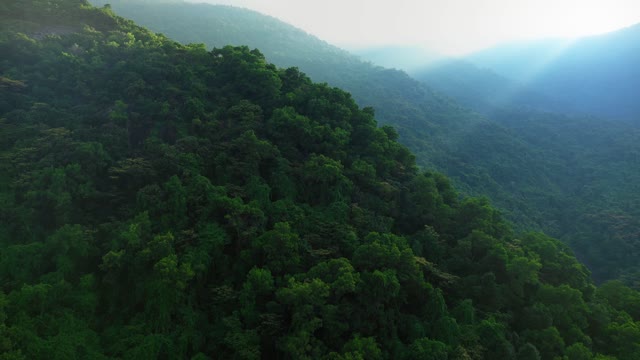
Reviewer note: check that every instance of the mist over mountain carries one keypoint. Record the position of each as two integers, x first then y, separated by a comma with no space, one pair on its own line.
592,75
516,60
478,88
597,75
483,89
406,58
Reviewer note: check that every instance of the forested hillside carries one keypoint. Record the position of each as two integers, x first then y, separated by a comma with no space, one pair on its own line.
435,128
556,187
599,205
162,201
594,161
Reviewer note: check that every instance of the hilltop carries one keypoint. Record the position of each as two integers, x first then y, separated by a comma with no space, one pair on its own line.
165,201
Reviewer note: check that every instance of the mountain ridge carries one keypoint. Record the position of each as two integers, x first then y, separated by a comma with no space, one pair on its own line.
557,68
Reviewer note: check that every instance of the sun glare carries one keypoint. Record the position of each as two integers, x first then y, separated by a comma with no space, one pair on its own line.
452,27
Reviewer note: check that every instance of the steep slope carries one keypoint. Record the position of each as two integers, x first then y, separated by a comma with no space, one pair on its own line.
597,75
162,201
430,124
535,186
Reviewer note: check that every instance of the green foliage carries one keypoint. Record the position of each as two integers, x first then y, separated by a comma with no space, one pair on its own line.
546,172
426,349
162,201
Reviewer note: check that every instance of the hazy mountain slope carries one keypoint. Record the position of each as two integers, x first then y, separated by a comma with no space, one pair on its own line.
598,74
483,90
516,60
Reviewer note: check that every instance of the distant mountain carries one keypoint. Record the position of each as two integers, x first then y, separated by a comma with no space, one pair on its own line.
482,89
517,59
407,58
597,74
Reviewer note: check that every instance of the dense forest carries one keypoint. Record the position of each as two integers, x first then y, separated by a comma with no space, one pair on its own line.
544,171
163,201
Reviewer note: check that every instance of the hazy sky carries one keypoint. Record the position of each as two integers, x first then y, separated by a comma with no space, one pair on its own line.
450,27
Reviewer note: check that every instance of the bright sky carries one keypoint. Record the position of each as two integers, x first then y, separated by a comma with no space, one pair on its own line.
450,27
